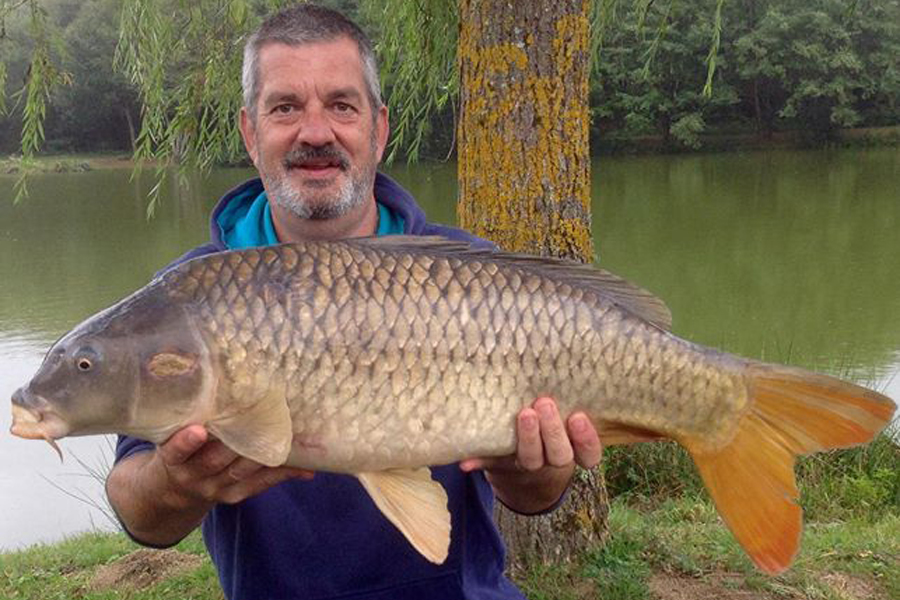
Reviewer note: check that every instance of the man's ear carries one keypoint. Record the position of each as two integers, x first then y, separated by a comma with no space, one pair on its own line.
248,133
382,130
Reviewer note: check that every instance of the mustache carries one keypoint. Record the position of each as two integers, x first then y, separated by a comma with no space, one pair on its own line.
298,156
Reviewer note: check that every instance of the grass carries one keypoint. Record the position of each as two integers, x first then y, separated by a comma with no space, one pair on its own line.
63,163
666,542
857,483
683,543
64,571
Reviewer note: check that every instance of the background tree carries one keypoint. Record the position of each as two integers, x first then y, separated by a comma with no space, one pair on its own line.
781,65
524,182
651,80
518,74
821,65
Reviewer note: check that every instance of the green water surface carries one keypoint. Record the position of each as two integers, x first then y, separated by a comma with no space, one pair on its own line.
789,256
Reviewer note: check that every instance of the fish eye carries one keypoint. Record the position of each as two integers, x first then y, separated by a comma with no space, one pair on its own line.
85,359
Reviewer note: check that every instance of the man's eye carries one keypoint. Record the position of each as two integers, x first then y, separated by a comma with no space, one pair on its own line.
284,109
342,107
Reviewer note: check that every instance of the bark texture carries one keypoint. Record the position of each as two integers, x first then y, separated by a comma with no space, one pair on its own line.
524,161
524,176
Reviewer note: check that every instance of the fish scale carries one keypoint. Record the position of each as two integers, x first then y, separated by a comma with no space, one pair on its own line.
379,357
558,342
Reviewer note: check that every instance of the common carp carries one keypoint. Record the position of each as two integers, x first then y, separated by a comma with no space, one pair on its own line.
379,357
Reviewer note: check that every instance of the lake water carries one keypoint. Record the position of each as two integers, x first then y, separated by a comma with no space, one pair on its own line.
789,256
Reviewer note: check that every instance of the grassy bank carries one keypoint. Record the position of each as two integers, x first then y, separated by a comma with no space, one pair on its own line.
102,566
680,550
666,542
64,163
869,137
677,550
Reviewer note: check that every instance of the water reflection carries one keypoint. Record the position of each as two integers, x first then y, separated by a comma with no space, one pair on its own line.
789,256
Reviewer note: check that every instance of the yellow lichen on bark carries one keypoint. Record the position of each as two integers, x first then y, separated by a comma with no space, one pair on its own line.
523,155
524,173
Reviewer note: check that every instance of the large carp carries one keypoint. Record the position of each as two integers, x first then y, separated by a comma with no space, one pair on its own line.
378,357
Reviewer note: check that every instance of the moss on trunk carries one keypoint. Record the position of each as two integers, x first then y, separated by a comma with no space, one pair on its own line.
524,176
524,161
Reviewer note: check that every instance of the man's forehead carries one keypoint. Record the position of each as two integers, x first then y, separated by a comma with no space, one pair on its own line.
334,62
339,49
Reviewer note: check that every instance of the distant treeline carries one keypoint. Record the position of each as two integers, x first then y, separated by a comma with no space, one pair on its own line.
811,66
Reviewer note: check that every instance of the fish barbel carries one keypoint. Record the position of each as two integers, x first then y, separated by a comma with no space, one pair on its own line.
379,357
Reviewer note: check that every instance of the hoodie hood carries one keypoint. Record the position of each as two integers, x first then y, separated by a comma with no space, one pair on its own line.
244,207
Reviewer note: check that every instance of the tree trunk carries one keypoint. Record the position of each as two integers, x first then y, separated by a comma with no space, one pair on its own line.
757,108
524,180
524,162
131,134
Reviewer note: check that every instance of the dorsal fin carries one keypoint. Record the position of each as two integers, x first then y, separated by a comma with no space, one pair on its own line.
625,295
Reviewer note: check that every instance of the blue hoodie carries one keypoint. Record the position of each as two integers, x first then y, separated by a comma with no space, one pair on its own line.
325,538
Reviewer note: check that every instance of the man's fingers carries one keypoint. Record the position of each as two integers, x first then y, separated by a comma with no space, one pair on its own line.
543,438
215,457
182,445
500,463
242,469
557,447
529,448
260,481
473,464
585,441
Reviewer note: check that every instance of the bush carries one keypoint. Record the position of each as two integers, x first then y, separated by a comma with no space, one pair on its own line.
859,482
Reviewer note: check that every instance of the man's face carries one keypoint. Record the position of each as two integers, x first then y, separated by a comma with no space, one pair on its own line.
316,141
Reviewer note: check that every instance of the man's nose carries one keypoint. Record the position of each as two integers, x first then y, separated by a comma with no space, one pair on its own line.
315,127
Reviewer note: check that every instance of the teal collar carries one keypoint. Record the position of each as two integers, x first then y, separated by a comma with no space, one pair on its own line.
389,222
247,225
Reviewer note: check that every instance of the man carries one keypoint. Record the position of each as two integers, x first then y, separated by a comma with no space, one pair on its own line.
315,127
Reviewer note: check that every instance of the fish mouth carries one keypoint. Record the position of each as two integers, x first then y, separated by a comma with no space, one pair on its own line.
33,419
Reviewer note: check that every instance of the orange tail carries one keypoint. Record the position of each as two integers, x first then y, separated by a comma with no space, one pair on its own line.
751,479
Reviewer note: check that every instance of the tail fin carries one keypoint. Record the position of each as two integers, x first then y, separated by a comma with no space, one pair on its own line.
751,479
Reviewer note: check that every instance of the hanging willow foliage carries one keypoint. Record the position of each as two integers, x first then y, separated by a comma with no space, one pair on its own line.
184,59
42,77
416,44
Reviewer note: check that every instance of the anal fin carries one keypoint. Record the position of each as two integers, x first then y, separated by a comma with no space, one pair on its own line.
416,505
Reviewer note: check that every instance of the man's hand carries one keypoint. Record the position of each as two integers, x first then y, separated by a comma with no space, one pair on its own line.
162,495
547,450
201,469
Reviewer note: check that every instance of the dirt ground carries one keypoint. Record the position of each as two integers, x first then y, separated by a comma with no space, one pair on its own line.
715,587
142,569
725,586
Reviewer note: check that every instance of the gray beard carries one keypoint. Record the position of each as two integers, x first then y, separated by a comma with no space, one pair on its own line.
351,195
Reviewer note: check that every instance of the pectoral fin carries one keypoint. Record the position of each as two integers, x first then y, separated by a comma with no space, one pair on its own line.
262,433
416,504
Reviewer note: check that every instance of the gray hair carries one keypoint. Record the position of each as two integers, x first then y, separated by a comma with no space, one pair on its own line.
306,24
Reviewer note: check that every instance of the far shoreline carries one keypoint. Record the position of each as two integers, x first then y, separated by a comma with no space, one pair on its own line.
863,137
